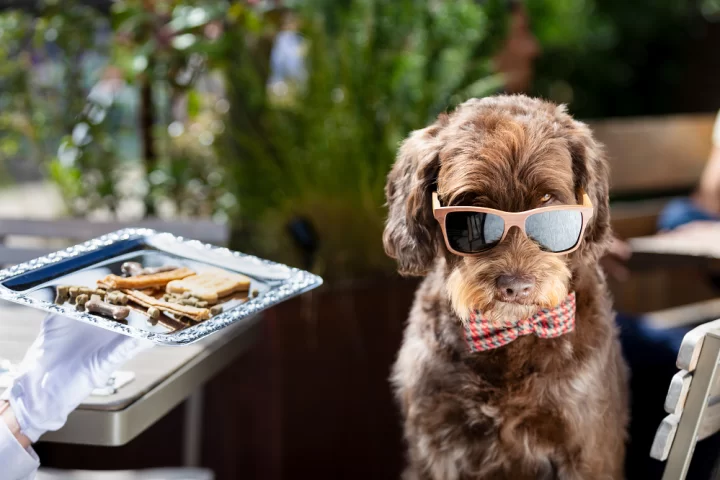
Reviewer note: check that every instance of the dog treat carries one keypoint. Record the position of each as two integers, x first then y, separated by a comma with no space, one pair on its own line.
80,302
193,302
96,305
146,281
210,285
69,293
183,300
147,301
131,268
73,291
62,294
187,295
117,298
135,269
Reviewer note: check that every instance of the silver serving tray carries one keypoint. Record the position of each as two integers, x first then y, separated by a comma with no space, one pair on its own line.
33,283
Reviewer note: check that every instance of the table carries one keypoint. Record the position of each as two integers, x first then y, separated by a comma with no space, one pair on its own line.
165,377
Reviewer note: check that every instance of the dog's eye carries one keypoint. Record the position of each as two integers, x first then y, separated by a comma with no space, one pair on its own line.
546,198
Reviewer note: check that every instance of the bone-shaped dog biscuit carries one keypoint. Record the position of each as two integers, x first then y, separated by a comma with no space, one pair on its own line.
96,305
210,285
134,269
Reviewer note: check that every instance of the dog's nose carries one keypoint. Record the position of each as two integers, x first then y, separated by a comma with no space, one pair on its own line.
515,287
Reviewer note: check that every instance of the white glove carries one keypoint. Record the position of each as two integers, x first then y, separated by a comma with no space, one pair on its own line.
65,363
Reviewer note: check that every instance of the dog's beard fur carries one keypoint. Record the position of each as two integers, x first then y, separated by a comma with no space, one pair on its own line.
471,283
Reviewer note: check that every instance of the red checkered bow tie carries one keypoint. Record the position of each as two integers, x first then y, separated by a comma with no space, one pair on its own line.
482,335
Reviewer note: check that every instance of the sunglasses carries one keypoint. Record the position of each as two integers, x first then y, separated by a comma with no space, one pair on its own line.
472,231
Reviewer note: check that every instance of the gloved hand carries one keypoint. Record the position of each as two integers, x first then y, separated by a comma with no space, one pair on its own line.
65,363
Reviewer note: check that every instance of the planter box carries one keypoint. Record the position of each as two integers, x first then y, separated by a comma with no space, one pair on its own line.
314,400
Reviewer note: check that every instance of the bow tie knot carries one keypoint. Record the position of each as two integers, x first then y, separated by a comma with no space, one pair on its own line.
482,335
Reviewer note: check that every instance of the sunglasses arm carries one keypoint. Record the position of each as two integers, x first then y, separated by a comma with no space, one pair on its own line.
585,199
435,201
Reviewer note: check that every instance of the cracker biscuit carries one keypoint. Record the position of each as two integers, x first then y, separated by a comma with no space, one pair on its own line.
146,281
147,301
210,285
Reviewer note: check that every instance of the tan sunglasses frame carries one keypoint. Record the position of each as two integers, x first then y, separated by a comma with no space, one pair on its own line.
511,219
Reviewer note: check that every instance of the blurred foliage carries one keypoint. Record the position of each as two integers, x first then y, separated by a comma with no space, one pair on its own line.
44,63
58,107
160,50
318,146
612,57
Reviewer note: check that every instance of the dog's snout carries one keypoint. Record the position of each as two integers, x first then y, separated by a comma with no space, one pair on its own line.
513,288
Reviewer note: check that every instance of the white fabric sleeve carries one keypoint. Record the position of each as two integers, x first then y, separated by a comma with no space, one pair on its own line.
17,462
716,132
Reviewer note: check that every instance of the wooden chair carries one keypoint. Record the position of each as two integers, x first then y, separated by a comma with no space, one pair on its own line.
692,402
651,157
75,230
652,160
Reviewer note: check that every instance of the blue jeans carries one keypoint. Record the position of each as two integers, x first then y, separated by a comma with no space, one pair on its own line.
681,211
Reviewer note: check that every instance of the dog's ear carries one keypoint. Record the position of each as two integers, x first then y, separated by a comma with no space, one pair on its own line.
411,232
591,173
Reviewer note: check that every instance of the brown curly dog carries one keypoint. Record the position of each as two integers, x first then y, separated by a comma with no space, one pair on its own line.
533,406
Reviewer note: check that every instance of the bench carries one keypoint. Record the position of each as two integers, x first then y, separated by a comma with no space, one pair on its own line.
72,230
653,160
692,402
655,156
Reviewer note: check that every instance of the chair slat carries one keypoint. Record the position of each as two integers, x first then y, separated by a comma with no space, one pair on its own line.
709,425
692,344
664,437
677,393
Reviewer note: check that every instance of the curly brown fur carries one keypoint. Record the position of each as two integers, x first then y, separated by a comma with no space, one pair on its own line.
536,408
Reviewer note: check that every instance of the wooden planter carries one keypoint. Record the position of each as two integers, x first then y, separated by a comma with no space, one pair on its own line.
313,400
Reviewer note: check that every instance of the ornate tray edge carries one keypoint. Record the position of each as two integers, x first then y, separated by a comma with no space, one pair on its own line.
298,282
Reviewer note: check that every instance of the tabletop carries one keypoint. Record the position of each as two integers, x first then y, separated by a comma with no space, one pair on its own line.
164,377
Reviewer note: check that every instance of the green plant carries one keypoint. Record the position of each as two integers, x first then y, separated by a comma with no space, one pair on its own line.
161,48
37,110
62,119
319,147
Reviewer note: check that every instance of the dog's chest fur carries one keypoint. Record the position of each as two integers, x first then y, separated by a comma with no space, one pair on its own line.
524,410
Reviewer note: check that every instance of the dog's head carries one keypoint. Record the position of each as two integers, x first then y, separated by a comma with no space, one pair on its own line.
510,153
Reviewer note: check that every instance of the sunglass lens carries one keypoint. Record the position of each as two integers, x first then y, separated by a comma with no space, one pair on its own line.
473,232
556,230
